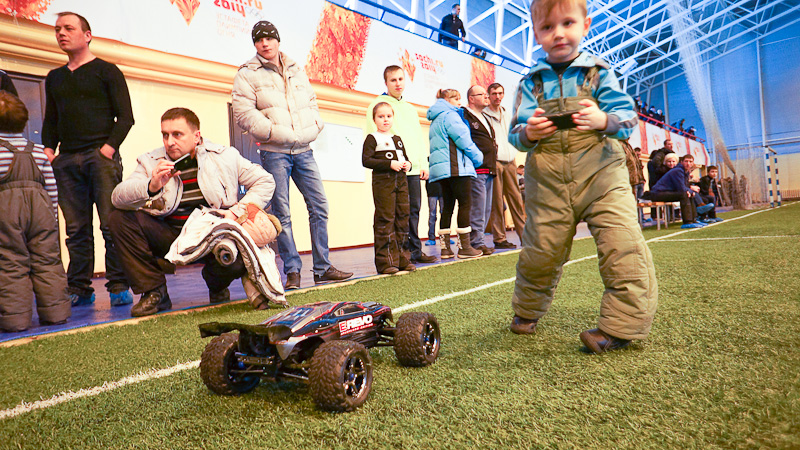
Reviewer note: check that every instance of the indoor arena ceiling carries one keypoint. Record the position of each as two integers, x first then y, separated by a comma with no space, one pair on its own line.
636,36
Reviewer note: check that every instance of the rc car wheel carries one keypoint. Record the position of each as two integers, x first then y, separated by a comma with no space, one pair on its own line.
216,363
340,376
417,339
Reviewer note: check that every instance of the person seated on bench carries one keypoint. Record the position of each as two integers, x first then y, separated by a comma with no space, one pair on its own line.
674,187
709,193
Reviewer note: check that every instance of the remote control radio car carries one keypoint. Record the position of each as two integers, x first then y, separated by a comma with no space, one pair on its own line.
324,344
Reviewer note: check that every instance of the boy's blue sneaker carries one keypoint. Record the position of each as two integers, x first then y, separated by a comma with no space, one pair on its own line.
708,220
692,225
705,208
430,242
717,219
80,300
121,298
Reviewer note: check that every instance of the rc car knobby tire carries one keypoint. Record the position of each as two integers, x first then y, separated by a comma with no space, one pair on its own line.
216,362
417,339
340,376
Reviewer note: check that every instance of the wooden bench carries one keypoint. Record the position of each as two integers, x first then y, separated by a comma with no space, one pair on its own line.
661,209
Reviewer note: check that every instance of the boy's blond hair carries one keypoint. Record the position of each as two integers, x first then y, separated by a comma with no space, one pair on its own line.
540,9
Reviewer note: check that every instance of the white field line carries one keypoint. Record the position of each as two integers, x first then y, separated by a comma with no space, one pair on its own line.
732,238
90,392
24,407
440,298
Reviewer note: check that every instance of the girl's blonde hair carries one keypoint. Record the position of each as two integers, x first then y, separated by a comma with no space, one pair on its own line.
670,156
448,94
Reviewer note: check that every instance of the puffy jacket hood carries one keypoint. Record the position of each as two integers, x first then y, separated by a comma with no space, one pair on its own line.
440,107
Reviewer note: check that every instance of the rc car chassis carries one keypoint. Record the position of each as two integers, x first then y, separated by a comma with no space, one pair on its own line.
324,344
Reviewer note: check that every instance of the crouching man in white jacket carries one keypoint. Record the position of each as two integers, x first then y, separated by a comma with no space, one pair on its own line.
153,203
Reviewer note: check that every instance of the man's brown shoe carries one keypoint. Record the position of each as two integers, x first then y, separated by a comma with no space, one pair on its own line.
599,342
292,281
423,259
504,245
523,326
485,250
331,275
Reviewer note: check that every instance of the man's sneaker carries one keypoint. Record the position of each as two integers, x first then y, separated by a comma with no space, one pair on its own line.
292,281
430,242
121,298
504,245
424,259
152,302
331,275
81,300
390,271
523,326
692,225
485,250
705,208
219,297
707,220
599,342
717,219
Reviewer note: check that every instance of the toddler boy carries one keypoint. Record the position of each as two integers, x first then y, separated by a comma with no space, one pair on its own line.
575,174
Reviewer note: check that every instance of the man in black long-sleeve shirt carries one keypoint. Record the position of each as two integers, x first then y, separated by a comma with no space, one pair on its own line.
87,116
453,25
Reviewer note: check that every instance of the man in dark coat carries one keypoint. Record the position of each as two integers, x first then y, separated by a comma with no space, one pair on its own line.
655,167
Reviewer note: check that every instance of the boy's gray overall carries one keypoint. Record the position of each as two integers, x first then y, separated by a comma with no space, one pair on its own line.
30,261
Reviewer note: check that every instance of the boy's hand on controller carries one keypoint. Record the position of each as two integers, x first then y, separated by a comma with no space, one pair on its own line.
590,117
539,127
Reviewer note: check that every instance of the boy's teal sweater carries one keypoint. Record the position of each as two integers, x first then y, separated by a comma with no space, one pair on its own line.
610,98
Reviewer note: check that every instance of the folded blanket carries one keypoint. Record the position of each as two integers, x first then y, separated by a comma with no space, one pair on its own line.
205,229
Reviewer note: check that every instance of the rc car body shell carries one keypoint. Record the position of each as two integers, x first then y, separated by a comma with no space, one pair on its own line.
323,321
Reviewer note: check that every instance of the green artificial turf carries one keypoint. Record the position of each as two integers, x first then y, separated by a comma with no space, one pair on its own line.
721,368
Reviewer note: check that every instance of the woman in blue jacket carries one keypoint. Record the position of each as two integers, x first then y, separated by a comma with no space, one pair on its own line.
453,160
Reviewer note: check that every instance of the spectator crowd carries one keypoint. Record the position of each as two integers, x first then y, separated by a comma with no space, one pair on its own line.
656,117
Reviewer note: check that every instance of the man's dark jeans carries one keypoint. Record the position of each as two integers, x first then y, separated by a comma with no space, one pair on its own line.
449,42
688,209
85,179
142,239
